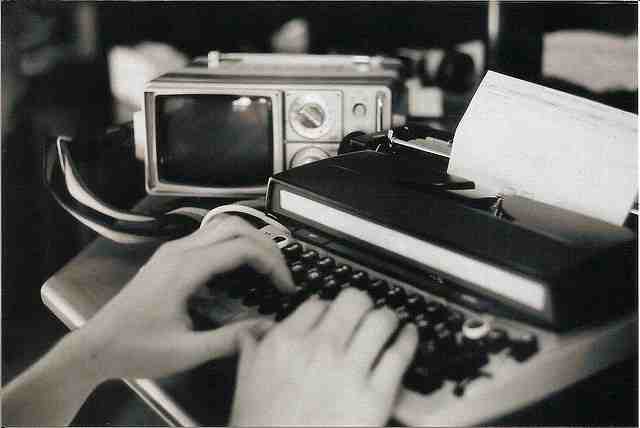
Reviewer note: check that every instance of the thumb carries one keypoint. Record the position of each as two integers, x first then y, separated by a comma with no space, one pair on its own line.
247,345
224,341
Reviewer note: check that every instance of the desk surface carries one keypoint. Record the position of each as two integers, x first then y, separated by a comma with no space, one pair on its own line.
84,285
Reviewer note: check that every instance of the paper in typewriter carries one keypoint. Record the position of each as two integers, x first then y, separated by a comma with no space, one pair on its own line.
521,138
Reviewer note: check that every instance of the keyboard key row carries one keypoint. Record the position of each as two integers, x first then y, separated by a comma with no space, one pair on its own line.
324,276
450,345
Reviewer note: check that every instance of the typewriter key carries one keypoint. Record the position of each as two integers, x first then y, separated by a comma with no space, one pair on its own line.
497,339
292,251
359,279
298,271
326,264
342,272
380,302
313,277
403,317
415,303
435,311
330,289
455,319
466,364
253,297
425,329
423,379
396,296
523,346
309,257
378,288
445,339
269,305
287,306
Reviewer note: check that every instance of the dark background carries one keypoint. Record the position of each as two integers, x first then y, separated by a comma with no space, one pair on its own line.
53,84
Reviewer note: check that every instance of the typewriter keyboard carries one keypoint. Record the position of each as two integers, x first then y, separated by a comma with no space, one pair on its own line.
454,344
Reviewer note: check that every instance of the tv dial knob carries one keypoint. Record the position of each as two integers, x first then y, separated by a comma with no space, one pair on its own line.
310,116
307,155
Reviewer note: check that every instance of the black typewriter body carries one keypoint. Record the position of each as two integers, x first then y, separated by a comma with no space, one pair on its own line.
472,348
571,270
456,378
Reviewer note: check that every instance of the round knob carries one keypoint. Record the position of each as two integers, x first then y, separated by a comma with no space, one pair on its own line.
476,328
359,110
307,155
311,116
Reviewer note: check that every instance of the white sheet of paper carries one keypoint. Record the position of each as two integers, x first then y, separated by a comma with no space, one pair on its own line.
521,138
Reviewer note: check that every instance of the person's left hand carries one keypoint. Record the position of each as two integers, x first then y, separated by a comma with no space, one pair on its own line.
145,331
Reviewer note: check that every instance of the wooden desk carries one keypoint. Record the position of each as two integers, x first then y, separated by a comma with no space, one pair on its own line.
84,285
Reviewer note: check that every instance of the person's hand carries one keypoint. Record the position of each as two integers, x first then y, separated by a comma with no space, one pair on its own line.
145,331
324,365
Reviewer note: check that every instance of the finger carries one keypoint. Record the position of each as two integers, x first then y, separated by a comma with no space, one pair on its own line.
247,345
204,262
344,315
376,329
222,342
387,375
303,319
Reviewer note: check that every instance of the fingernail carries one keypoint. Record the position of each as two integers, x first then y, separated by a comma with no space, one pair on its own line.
410,329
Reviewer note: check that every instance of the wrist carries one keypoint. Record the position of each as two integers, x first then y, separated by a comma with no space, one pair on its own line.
82,353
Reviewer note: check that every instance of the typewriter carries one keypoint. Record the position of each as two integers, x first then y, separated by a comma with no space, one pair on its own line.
513,299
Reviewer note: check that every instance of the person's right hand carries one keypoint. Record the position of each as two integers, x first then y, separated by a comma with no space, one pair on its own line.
326,364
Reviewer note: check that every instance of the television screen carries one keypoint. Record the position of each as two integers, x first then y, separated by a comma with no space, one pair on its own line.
214,139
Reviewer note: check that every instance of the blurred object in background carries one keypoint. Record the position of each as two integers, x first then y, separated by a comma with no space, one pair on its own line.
37,38
607,61
196,28
599,65
584,48
514,33
51,35
442,81
54,81
130,68
14,83
293,37
458,79
456,72
476,50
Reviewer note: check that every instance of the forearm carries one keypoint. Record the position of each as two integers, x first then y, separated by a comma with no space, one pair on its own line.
52,391
145,331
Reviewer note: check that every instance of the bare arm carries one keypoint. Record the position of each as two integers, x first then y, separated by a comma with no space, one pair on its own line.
53,389
327,364
144,331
